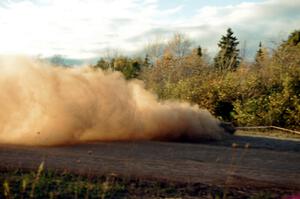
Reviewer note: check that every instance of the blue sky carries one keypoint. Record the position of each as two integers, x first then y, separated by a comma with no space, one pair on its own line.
88,28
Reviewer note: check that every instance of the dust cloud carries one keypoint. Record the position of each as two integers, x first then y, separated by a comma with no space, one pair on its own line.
46,105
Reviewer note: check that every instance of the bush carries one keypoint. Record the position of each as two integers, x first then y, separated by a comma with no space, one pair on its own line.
267,93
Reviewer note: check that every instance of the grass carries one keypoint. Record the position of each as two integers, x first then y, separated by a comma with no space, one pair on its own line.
49,184
268,133
63,184
56,184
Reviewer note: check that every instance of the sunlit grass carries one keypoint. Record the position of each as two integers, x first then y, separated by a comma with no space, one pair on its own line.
54,184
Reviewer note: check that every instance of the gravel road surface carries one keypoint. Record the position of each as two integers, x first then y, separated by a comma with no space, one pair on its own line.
240,161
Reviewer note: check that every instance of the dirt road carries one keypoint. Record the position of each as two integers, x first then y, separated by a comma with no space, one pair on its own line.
264,163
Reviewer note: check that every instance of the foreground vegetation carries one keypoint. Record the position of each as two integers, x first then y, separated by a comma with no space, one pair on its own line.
263,92
49,184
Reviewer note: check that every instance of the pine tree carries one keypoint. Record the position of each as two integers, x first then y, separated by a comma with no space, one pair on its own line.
199,51
146,61
135,68
259,54
228,56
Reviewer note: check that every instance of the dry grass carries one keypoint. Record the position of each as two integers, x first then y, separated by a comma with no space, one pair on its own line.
268,133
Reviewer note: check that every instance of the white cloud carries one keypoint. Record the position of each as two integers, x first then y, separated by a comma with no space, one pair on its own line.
267,21
84,28
70,27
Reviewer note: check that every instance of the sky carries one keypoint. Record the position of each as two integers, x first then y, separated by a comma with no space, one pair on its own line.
88,28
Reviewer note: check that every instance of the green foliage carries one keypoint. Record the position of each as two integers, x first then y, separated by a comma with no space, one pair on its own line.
265,92
228,56
104,65
294,39
59,185
199,51
259,54
18,184
169,74
277,88
147,63
249,95
128,66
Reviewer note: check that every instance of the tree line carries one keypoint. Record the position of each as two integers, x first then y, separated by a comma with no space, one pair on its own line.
265,91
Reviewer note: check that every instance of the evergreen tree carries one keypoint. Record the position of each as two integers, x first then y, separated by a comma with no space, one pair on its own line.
199,51
136,69
146,61
259,54
228,56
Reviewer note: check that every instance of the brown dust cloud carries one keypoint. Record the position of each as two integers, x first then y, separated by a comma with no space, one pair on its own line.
45,105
